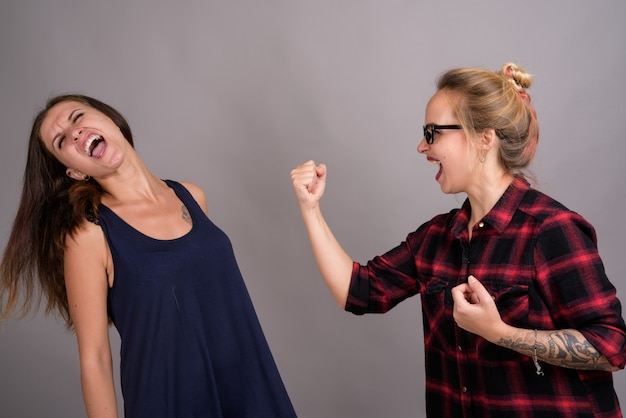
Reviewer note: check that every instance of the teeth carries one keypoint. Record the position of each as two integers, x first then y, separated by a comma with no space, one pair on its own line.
89,142
435,162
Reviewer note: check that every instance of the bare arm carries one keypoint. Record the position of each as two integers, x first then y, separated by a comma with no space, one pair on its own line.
87,260
334,263
476,312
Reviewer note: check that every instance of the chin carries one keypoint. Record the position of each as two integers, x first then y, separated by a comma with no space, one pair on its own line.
446,189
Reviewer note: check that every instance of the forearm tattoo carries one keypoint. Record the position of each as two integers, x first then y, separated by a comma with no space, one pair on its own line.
564,348
186,216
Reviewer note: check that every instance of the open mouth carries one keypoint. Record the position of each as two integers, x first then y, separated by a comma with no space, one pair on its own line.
94,146
438,163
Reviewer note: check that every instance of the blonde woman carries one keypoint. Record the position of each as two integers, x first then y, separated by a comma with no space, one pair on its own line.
520,319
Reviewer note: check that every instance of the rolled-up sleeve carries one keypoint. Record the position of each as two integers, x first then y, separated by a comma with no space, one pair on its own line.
383,282
574,285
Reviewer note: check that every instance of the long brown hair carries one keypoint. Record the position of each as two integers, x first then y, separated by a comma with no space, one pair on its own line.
52,206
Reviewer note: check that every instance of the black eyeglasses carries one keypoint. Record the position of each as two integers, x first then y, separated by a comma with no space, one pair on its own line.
431,128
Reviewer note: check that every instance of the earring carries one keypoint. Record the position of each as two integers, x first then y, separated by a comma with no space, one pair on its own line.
86,178
481,159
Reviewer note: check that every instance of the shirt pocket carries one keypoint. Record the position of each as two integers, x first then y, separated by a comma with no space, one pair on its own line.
513,303
437,307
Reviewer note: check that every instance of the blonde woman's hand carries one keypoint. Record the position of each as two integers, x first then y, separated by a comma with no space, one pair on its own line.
475,310
309,182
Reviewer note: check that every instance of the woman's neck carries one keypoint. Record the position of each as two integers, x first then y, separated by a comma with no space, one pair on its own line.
132,182
484,197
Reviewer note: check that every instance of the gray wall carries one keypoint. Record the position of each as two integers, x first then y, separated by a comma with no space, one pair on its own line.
233,94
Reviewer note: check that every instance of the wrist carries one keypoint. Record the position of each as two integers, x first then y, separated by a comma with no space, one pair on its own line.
310,209
501,332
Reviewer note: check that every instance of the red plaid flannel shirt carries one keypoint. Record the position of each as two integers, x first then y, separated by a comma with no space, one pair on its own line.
540,262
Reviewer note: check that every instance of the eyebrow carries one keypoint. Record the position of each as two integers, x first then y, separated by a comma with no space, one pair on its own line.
69,118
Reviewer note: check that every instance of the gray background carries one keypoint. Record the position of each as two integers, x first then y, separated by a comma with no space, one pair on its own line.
233,94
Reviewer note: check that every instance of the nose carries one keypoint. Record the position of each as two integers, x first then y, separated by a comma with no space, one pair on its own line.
422,147
77,133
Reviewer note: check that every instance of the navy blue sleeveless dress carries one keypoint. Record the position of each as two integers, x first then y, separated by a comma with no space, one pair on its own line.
191,343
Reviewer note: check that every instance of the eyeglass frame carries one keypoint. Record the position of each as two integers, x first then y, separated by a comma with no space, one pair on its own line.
429,131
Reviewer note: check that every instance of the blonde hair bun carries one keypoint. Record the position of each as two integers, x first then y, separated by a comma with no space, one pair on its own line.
520,79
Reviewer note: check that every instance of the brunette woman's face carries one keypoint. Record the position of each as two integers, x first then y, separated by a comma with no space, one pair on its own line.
83,139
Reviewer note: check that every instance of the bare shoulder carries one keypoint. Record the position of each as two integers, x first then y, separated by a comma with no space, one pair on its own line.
87,235
197,193
86,251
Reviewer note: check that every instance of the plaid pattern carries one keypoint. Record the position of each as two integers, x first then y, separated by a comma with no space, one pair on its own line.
540,263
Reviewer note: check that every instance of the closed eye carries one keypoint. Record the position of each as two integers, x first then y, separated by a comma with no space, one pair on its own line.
73,118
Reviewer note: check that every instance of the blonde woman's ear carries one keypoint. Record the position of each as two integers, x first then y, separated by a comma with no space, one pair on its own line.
488,138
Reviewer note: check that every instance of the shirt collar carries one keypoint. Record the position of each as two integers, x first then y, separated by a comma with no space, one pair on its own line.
499,216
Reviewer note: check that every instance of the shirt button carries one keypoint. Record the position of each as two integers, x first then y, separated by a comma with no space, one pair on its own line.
482,224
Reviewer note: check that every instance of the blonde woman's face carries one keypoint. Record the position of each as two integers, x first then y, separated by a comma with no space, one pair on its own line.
450,150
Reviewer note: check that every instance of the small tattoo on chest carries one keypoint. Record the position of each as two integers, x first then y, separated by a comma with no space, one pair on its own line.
186,216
